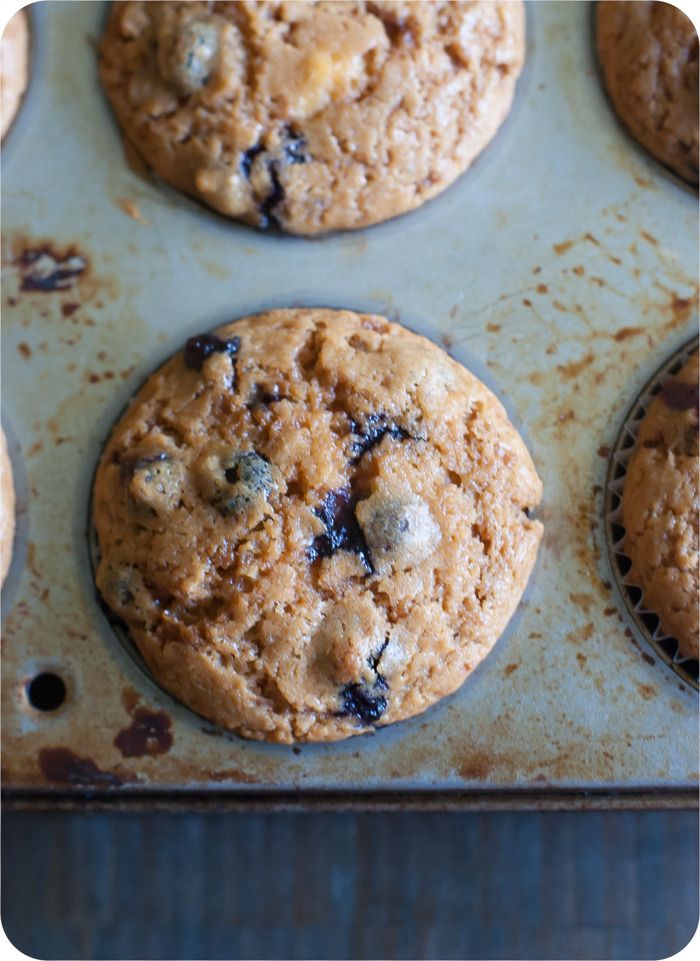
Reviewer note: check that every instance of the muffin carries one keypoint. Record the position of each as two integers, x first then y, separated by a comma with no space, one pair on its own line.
7,509
660,509
649,55
313,523
311,117
14,68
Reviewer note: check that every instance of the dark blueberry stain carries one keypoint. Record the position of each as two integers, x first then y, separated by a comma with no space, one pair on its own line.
268,219
343,533
59,765
372,432
293,151
147,735
251,469
294,148
198,348
129,466
366,704
247,158
260,397
374,659
45,270
678,395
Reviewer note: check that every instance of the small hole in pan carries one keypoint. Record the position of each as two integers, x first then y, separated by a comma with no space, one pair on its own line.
46,692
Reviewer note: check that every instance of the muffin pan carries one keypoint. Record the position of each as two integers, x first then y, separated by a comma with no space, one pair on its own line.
561,269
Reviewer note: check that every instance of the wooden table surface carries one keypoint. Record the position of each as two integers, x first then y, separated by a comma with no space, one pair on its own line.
403,885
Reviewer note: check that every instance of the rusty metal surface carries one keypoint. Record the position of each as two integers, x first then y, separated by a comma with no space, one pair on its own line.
561,269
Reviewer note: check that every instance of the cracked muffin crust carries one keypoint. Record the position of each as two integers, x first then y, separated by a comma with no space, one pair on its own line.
14,68
649,55
660,509
313,522
7,508
311,116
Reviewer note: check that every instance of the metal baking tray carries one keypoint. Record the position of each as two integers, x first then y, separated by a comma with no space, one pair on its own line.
562,269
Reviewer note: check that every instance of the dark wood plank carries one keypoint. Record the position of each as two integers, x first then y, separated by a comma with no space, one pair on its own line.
405,885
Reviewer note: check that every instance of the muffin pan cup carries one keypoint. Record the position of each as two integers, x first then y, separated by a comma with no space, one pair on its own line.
645,621
561,268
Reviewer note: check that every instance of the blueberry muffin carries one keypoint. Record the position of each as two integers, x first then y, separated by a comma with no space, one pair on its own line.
649,55
314,522
14,68
660,509
311,116
7,509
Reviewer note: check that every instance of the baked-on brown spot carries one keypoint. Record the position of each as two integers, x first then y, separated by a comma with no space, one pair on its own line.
148,734
649,55
60,765
312,116
335,543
